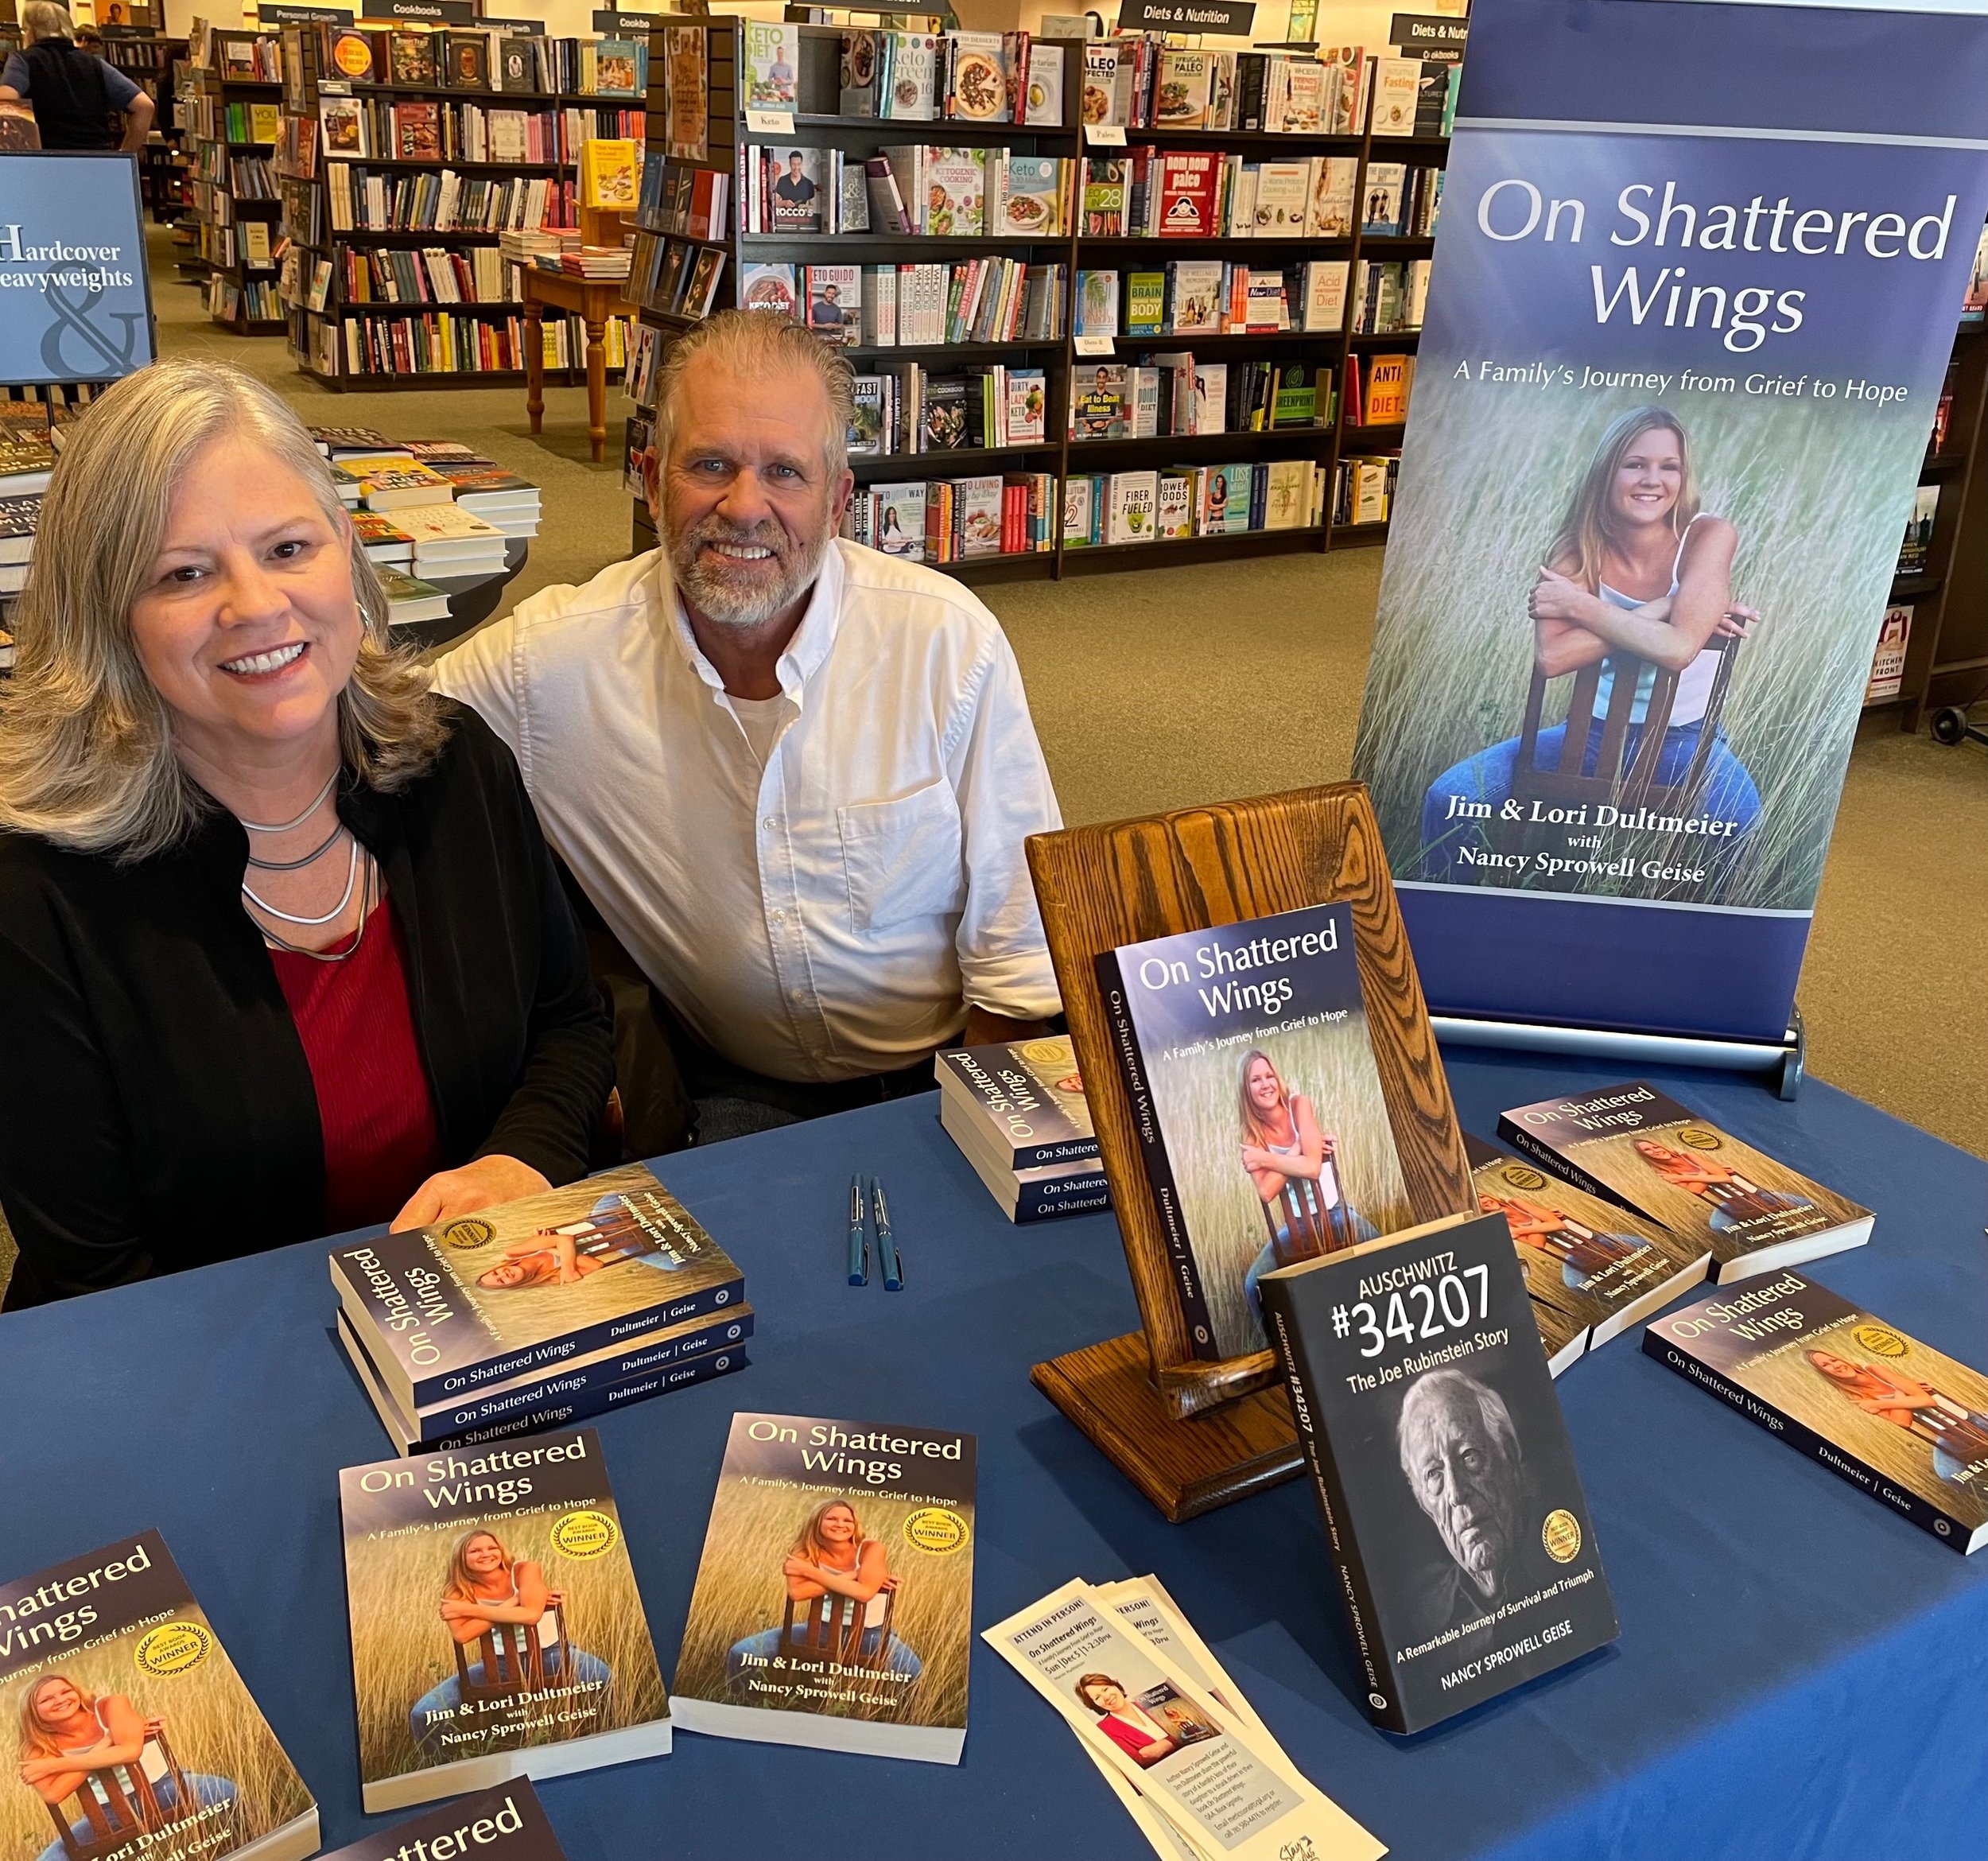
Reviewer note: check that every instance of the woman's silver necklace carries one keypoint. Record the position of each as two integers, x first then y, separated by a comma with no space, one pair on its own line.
330,917
329,956
316,853
291,826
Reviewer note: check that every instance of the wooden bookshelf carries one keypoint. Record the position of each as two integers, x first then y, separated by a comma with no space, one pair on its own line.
818,122
1947,651
220,200
318,334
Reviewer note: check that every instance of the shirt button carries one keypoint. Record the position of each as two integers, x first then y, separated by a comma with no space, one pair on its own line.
769,823
779,917
796,995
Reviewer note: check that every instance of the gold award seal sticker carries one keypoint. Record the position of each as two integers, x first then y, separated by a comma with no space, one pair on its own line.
172,1648
470,1231
1880,1340
1697,1139
1561,1534
1520,1177
582,1534
934,1528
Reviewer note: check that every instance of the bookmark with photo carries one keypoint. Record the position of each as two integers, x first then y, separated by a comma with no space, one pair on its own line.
1146,1609
1193,1759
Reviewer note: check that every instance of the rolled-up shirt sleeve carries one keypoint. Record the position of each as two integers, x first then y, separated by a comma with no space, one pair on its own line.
1004,794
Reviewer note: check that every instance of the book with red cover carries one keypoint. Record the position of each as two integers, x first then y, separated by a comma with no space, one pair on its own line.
1188,182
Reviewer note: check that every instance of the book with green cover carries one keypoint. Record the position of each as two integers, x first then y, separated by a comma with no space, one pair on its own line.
497,1632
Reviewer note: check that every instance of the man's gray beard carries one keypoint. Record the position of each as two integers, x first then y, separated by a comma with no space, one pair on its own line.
724,602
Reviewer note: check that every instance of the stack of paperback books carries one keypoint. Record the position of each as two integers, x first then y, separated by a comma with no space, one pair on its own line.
539,1312
1018,1114
507,1822
1182,1749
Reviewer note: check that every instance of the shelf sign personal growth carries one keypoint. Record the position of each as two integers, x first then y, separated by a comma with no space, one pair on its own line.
1674,388
76,299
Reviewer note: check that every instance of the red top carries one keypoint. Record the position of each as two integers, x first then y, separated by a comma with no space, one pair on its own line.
357,1026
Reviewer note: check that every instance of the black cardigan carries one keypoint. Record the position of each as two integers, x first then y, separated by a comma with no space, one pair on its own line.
157,1110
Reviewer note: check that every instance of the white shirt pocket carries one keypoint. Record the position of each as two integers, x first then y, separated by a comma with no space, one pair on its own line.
902,859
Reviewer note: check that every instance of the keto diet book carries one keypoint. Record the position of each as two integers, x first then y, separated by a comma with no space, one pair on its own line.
1465,1556
1900,1421
1602,1266
526,1287
1632,1146
109,1651
497,1632
834,1600
505,1824
1266,1127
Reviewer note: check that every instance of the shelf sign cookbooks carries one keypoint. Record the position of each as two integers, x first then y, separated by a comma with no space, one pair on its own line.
75,298
1680,361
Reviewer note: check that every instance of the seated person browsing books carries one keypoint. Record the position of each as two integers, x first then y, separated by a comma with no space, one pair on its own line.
831,1558
792,774
505,1612
74,1741
281,948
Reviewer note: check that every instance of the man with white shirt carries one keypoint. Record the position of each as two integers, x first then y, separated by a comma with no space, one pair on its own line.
794,775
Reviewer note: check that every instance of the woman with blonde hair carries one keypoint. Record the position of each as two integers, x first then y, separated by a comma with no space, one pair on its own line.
487,1592
74,1741
282,951
1293,1164
1639,578
832,1558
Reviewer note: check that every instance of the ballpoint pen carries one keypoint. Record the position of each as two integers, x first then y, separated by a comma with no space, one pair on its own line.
886,1241
859,1236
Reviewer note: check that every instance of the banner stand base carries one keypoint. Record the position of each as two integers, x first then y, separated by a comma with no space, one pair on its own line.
1783,1059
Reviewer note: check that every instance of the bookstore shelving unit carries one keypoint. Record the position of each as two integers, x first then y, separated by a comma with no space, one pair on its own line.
152,61
316,333
816,123
1946,651
223,112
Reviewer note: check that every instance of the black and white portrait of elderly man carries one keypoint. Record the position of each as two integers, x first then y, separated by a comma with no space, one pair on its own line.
1461,1455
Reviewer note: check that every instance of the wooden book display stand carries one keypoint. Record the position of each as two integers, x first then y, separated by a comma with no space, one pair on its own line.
1190,1432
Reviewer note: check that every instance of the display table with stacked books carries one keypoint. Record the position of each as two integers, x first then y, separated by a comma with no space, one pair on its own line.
1798,1669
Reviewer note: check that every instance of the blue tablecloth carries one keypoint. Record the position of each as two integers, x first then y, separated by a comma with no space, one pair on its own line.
1800,1673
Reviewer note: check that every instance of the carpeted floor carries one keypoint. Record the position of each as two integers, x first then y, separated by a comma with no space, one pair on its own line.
1168,686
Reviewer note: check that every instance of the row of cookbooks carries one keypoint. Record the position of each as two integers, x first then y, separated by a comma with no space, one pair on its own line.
914,305
791,190
913,410
1170,394
1204,193
357,127
956,519
911,77
1214,297
473,58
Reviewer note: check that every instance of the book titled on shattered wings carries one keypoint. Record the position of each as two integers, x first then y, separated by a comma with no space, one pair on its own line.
497,1632
505,1824
1900,1421
1465,1558
834,1599
109,1653
1631,1145
446,1310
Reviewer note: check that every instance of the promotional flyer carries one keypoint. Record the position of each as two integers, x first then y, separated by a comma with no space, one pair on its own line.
1683,343
76,299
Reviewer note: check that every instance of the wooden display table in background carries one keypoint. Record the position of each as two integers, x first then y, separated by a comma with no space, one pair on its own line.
593,301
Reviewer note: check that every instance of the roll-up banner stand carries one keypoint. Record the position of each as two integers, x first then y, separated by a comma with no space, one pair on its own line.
1697,281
